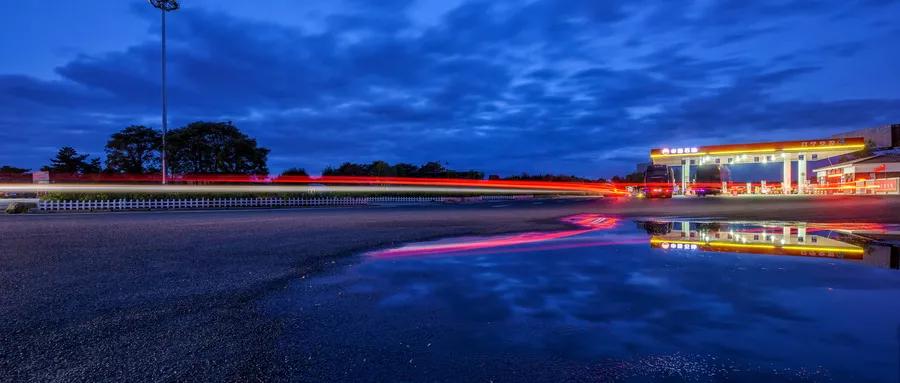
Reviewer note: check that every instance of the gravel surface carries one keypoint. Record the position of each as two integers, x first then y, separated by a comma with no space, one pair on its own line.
173,295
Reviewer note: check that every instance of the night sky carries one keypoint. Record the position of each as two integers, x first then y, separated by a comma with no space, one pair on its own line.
565,86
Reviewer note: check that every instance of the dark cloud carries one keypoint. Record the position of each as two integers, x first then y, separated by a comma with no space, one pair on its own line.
581,87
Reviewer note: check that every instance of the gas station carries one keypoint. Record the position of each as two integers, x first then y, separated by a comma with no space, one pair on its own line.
785,152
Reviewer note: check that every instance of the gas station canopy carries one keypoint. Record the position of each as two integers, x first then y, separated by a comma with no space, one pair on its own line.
764,152
758,152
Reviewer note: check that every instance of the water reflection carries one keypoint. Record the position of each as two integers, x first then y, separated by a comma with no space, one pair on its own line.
851,241
606,301
870,243
586,223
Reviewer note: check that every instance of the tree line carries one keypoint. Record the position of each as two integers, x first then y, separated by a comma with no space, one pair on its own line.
199,147
384,169
545,177
205,147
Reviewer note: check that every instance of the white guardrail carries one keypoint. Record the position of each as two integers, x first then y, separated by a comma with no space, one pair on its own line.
224,203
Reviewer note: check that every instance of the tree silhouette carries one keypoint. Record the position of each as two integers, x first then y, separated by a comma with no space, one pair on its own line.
432,170
548,177
68,161
347,169
134,150
5,169
405,170
14,174
381,169
295,172
384,169
214,148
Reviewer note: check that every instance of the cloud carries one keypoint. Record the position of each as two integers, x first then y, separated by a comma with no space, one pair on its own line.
500,86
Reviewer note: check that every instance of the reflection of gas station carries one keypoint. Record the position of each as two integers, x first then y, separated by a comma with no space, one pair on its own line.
784,152
847,241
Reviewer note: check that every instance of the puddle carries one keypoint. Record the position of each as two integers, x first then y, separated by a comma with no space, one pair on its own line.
609,300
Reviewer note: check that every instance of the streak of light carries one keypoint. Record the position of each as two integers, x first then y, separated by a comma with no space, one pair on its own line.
854,250
849,226
548,247
747,246
763,150
820,148
191,182
589,222
723,244
176,188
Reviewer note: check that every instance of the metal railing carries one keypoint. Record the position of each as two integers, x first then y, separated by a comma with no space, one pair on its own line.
226,203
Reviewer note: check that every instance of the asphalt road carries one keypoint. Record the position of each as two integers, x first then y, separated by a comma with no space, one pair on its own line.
172,295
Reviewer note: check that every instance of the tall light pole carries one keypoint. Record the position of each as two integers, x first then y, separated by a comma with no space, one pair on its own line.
164,6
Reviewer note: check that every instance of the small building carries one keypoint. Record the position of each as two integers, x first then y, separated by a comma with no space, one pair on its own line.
876,174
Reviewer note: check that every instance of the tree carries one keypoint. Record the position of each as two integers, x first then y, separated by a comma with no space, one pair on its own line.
469,174
68,161
432,170
405,170
93,166
381,169
214,148
14,174
134,150
347,169
384,169
548,177
295,172
5,169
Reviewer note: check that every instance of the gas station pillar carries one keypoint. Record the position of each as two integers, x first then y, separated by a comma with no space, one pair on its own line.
685,176
786,183
802,179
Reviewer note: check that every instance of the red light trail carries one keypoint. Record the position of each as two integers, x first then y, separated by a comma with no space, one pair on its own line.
238,183
588,222
261,183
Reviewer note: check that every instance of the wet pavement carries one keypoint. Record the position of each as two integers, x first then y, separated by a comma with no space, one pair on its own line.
175,296
609,300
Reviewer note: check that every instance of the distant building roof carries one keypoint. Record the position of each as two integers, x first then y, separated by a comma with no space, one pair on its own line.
888,157
878,158
885,136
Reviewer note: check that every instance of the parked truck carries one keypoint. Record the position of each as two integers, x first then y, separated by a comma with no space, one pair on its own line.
707,180
657,182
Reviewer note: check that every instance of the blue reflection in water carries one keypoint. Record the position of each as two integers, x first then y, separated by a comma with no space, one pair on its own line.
607,304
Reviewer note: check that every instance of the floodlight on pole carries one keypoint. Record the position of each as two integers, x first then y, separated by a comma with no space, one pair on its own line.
164,6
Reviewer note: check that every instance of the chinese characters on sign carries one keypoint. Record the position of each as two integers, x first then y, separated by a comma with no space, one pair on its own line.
823,143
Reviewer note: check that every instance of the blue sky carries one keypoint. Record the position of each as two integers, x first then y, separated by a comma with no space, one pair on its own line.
580,87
